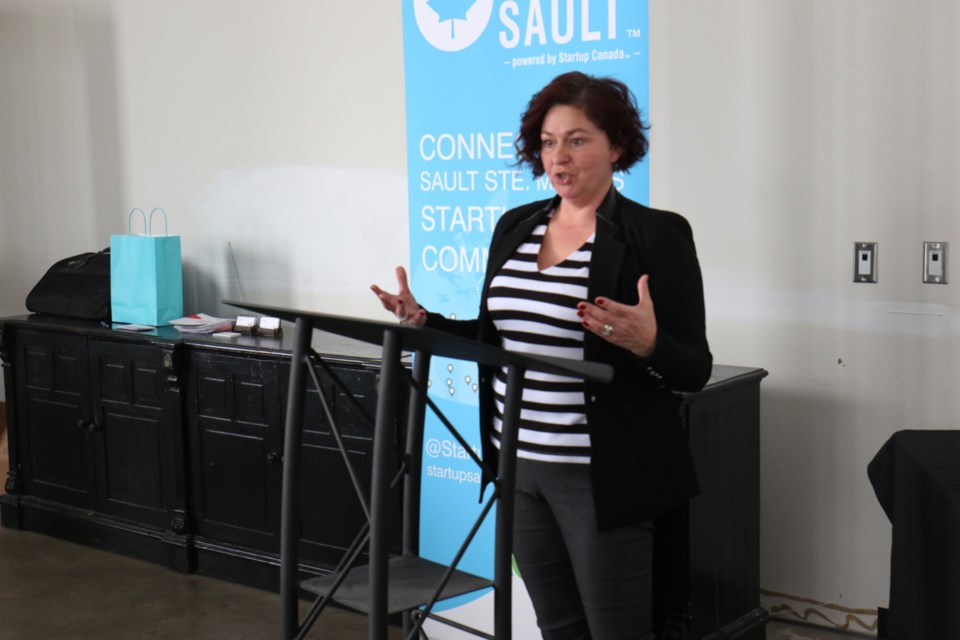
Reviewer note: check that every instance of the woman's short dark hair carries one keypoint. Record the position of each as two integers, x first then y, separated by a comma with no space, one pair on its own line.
608,103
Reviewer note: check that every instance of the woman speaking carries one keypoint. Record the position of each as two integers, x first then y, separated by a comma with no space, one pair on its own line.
592,275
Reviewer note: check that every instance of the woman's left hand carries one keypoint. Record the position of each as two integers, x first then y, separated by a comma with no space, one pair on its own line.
633,327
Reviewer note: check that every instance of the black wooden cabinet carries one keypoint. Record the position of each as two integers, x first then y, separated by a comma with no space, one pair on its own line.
707,552
95,440
169,447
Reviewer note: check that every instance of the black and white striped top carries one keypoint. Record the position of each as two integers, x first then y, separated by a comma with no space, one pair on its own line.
536,312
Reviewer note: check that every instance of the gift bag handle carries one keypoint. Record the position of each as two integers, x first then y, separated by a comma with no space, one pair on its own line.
150,226
146,229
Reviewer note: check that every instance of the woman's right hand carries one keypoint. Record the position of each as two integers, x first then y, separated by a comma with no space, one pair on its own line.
403,305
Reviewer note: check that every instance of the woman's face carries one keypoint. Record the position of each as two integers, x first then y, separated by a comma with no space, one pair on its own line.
577,155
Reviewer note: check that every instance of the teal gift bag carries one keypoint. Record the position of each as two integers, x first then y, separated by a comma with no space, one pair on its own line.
146,277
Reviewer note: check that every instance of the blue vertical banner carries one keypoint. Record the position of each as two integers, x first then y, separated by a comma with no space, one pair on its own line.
471,67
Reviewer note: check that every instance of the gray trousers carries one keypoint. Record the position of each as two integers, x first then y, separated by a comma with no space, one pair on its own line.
584,584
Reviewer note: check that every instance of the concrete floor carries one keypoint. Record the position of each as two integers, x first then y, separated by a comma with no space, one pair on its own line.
53,589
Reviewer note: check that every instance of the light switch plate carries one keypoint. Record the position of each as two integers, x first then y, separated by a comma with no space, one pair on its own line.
865,262
935,262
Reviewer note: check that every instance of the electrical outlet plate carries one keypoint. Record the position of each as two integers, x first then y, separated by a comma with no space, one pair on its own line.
935,262
865,262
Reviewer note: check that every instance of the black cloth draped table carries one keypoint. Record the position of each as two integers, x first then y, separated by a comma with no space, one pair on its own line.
916,476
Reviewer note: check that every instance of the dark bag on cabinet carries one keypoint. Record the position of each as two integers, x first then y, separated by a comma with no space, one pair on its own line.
75,287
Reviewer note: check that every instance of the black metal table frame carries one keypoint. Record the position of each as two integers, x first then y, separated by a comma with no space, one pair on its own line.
424,343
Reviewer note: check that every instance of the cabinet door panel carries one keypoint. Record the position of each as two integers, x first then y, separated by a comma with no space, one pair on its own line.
236,428
131,431
133,471
234,470
57,449
56,366
331,514
362,384
59,466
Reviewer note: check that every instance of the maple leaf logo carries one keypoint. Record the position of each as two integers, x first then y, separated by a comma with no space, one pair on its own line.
451,10
468,19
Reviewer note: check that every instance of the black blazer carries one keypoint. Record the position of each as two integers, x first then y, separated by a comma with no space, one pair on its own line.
640,461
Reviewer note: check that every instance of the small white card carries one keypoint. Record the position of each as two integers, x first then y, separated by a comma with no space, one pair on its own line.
133,327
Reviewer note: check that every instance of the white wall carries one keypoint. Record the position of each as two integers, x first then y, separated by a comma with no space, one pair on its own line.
276,127
785,130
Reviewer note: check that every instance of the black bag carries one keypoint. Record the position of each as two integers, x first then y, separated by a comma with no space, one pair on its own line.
76,287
